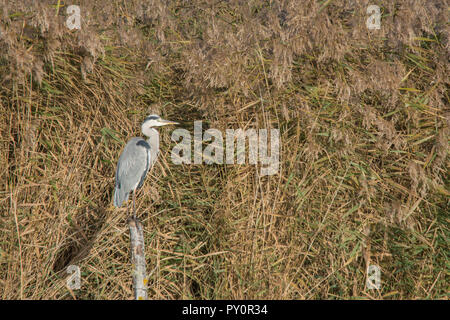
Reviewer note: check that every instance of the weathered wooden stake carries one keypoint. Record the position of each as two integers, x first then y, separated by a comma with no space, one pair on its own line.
138,259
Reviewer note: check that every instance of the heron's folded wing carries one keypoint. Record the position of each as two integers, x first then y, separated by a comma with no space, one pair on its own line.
132,165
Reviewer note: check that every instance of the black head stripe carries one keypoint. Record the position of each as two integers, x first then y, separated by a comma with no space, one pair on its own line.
151,118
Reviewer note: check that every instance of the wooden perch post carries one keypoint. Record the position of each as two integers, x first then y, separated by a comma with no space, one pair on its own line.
138,259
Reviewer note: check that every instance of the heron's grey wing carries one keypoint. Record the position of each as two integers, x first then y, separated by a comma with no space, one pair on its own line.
148,162
131,169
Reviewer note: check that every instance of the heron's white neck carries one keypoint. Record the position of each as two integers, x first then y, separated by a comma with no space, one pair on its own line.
153,140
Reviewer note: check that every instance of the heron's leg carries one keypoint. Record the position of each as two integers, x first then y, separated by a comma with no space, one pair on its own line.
134,208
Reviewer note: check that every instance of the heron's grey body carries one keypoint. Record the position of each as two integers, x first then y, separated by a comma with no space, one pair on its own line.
133,165
136,159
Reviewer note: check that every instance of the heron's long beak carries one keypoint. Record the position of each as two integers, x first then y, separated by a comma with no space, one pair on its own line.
165,122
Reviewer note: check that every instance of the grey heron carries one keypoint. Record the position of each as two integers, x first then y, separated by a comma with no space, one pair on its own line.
136,159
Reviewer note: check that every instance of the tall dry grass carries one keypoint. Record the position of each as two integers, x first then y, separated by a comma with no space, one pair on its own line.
364,123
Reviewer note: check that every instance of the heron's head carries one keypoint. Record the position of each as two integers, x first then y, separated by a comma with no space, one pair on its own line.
152,121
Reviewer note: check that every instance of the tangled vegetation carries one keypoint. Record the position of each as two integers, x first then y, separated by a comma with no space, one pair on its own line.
363,118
